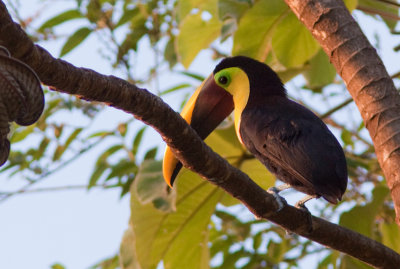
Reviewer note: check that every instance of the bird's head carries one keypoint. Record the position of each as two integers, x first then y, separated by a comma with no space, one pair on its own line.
241,73
234,83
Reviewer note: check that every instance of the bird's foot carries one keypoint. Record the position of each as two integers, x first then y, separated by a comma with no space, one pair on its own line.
300,205
279,199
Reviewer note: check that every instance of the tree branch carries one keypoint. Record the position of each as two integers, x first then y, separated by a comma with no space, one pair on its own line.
187,145
365,76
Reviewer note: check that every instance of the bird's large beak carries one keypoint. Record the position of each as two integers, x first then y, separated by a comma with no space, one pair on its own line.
206,109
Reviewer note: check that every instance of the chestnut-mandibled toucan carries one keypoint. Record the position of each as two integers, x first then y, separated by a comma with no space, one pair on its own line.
290,140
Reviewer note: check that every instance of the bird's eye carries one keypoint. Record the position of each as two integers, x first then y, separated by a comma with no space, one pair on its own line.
223,80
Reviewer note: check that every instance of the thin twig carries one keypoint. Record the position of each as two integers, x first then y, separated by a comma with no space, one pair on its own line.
51,189
379,12
336,108
48,173
390,2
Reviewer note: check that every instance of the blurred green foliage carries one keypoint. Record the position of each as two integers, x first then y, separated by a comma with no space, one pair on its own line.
197,224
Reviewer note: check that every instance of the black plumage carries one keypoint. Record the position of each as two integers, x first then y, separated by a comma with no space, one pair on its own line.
290,140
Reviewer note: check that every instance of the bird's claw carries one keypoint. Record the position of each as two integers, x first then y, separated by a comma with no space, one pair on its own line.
303,208
279,199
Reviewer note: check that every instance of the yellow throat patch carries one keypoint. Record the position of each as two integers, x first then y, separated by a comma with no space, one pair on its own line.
239,88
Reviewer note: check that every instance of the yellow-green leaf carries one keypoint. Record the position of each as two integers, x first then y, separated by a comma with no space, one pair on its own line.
61,18
21,133
73,135
179,238
321,72
256,27
292,43
127,250
149,182
232,8
351,4
57,266
361,218
206,31
381,8
390,235
75,39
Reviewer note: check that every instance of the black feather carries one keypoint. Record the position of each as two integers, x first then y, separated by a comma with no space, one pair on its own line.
290,140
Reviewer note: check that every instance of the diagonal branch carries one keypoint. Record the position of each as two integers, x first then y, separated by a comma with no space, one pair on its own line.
186,144
365,76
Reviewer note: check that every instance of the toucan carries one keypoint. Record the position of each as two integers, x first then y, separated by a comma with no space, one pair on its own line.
290,140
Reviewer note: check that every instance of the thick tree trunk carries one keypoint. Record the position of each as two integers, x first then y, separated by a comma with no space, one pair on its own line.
366,78
187,145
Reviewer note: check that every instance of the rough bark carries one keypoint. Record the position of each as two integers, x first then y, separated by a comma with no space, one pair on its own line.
366,78
187,146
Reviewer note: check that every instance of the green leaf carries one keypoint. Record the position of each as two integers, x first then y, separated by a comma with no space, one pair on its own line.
94,178
193,75
347,137
149,182
22,133
170,53
257,240
361,218
256,27
61,18
42,148
138,139
132,39
57,266
276,251
94,11
351,4
179,238
381,8
258,173
123,167
126,186
127,16
390,235
230,260
176,88
348,262
58,152
188,44
292,43
71,138
107,263
224,142
228,28
232,9
122,129
110,151
75,39
288,74
127,250
185,7
102,164
151,153
329,259
101,134
320,73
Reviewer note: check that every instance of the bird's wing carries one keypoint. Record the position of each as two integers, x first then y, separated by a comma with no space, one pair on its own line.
282,142
292,146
